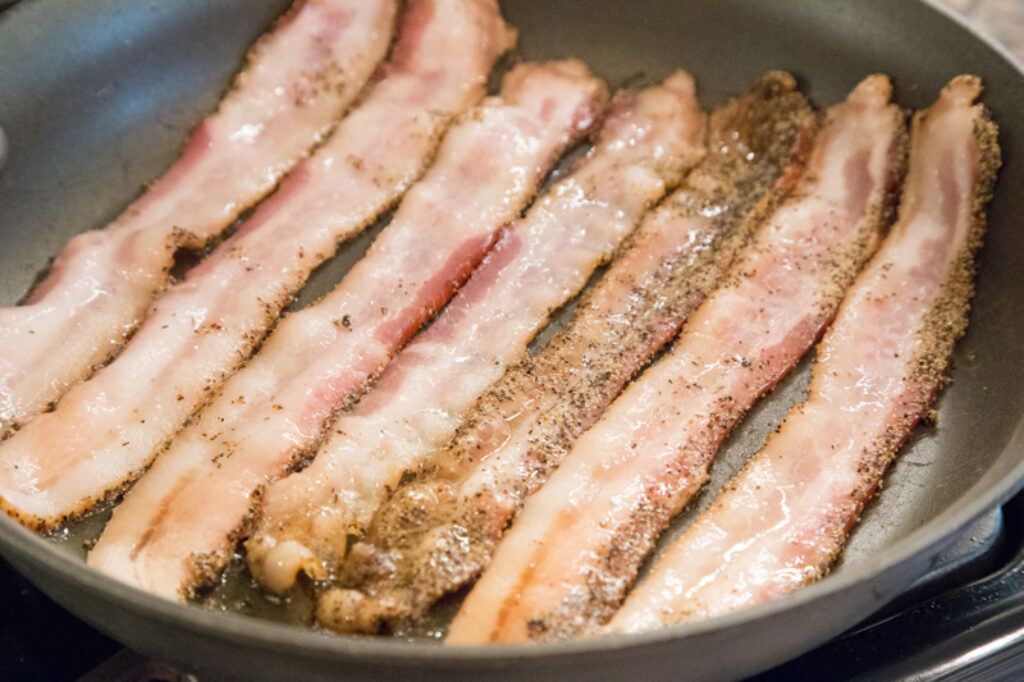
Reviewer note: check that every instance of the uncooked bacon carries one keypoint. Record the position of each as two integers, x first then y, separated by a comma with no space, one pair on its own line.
108,428
298,81
646,143
782,520
271,413
566,563
524,424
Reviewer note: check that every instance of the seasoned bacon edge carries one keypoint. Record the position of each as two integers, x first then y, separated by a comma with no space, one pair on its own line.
109,427
298,81
524,424
566,563
782,520
645,145
271,413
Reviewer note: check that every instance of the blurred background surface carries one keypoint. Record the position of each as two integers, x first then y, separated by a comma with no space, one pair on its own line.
1000,19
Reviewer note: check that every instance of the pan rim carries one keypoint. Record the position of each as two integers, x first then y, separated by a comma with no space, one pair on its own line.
926,540
306,641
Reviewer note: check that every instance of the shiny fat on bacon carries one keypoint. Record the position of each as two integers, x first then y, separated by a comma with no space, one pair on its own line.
271,413
109,427
297,82
782,520
525,423
567,561
645,144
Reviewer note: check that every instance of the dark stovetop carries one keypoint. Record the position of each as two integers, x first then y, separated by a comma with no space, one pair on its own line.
964,620
41,641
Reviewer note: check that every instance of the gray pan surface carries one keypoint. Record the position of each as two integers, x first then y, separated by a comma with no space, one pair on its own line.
97,96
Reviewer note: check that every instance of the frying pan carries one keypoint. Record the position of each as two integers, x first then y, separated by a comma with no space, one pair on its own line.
96,97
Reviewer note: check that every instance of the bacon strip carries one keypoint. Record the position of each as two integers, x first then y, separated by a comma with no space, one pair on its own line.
783,519
270,414
526,422
645,145
578,543
109,428
298,80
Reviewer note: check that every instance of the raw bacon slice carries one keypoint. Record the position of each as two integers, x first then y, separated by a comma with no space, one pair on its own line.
297,82
487,169
783,519
108,428
645,145
525,423
578,543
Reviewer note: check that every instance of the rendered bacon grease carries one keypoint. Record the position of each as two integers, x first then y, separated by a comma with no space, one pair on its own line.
524,424
108,428
298,80
645,144
177,527
566,563
782,520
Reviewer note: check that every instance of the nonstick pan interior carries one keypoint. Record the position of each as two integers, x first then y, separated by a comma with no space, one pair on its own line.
96,97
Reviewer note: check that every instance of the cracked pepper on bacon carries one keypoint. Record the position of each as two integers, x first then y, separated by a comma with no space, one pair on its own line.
391,477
